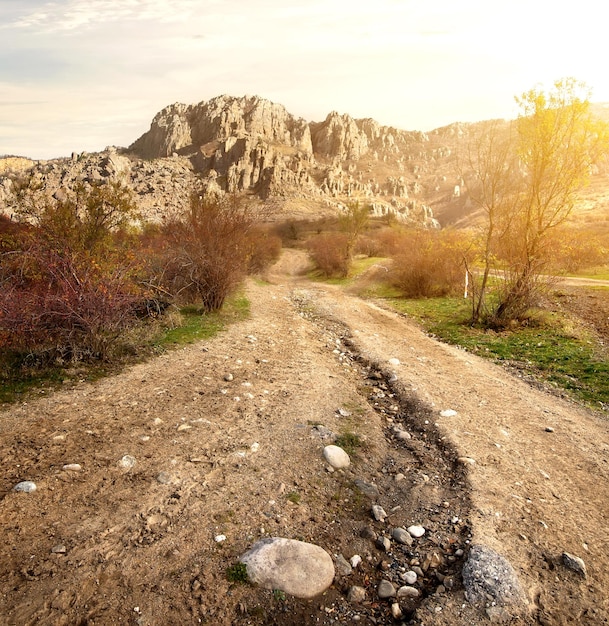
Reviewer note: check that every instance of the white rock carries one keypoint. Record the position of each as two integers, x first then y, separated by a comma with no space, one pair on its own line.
394,361
72,467
416,531
396,611
448,413
336,457
355,560
408,592
379,513
26,486
410,577
220,538
127,462
301,569
255,447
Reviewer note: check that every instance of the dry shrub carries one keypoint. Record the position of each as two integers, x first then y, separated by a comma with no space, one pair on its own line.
429,263
330,253
55,304
265,248
205,253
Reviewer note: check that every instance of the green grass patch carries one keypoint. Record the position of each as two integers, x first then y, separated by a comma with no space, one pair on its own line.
357,268
349,442
549,351
237,573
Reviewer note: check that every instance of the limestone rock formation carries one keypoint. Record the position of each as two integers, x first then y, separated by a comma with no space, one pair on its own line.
248,145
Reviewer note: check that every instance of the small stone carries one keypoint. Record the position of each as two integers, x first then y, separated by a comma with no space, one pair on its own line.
228,378
386,589
127,462
344,413
416,531
343,567
574,563
396,611
403,435
72,467
165,478
383,543
220,538
355,560
394,361
379,513
356,594
409,577
25,486
368,489
408,592
336,457
448,413
549,429
60,549
182,427
466,460
399,477
402,536
255,446
368,533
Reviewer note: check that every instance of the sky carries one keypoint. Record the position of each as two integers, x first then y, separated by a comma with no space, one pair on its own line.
80,75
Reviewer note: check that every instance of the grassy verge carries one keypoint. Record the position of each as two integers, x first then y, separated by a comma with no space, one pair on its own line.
19,379
357,268
551,351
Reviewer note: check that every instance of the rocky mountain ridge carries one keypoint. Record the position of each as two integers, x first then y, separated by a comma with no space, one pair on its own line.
252,146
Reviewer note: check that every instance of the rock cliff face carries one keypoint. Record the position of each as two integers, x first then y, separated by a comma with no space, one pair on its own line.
253,146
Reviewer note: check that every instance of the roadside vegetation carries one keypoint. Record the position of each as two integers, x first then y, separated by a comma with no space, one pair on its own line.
86,287
491,289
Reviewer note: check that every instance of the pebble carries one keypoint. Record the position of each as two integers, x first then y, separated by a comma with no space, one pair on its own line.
355,560
394,361
383,543
549,429
408,592
448,413
336,457
61,549
379,513
344,413
402,536
416,531
368,533
386,589
26,486
403,435
367,489
184,427
396,611
356,594
574,563
343,567
399,477
220,538
72,467
409,577
466,460
228,377
126,462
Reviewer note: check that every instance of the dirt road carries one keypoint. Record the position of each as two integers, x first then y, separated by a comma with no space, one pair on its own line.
140,475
